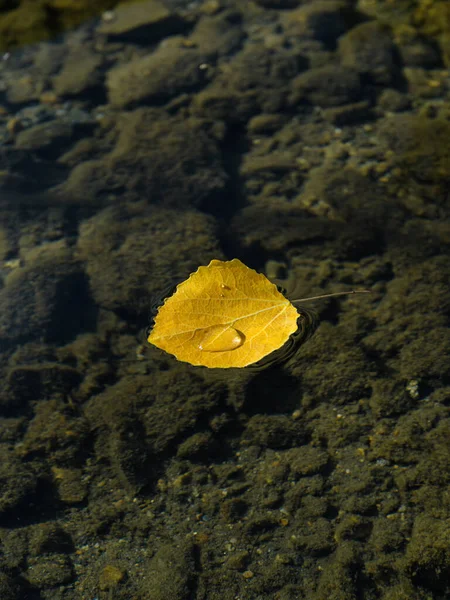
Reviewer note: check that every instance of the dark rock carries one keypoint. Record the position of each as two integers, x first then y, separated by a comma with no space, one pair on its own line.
11,429
174,162
326,86
234,510
306,487
22,173
171,573
420,53
133,460
273,229
219,35
265,124
369,49
350,380
123,254
420,144
143,22
278,3
44,136
199,447
222,104
389,398
49,140
135,443
17,485
154,79
256,80
81,72
426,558
306,460
55,433
260,68
43,380
50,571
273,431
71,485
322,20
11,589
425,357
393,101
48,58
47,298
316,539
349,114
49,537
420,85
111,577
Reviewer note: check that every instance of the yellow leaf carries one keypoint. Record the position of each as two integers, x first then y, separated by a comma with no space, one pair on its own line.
224,315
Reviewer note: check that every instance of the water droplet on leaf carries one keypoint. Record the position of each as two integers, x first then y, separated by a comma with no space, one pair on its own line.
221,338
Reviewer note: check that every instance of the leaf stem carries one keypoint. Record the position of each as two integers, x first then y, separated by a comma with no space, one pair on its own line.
331,295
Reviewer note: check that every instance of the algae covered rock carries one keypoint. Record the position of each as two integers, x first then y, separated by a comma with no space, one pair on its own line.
421,145
132,255
164,160
46,298
157,77
368,48
326,86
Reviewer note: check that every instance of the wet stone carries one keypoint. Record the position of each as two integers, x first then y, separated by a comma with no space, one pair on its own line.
420,145
38,298
40,381
23,89
393,101
112,240
273,432
14,543
56,433
17,484
222,104
427,554
349,114
110,577
265,124
322,20
70,486
234,509
369,49
46,138
156,78
419,83
10,589
307,487
11,428
307,460
315,537
419,53
219,35
238,560
171,572
278,3
142,22
49,537
389,398
157,158
326,86
198,447
81,72
49,571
